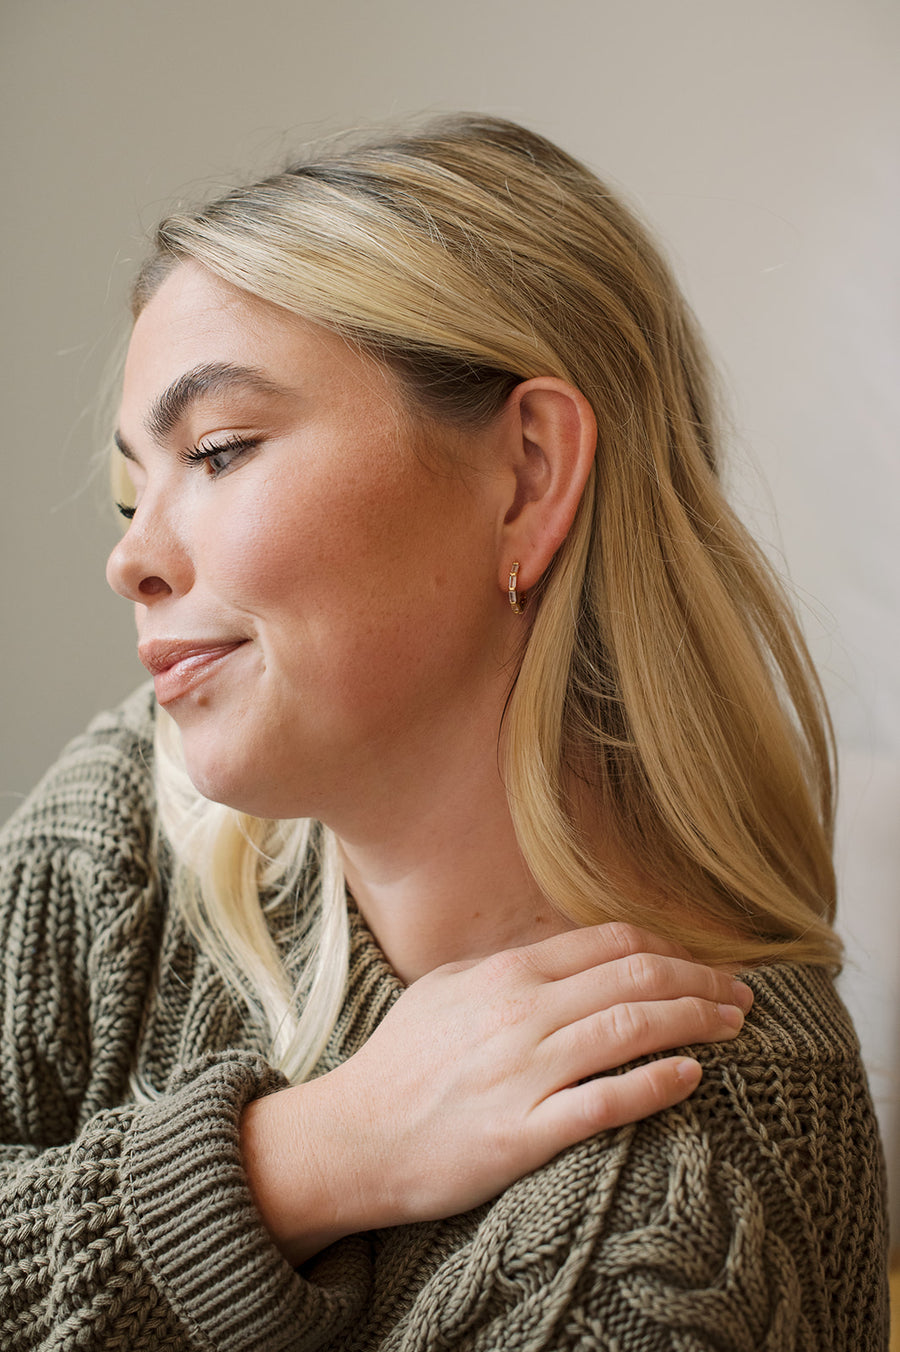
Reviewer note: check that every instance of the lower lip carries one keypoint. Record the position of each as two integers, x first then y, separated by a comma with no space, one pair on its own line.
184,676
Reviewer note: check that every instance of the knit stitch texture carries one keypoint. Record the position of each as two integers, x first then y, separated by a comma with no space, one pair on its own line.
750,1217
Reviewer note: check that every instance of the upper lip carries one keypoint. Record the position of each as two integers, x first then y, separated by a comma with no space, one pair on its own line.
161,653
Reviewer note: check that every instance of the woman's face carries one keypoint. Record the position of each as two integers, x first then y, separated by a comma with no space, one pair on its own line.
315,582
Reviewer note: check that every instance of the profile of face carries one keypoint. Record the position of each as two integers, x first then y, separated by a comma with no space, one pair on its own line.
316,574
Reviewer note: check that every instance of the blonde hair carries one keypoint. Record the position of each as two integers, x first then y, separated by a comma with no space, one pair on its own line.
665,691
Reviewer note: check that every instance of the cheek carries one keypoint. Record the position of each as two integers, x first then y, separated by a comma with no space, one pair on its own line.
362,579
319,571
334,532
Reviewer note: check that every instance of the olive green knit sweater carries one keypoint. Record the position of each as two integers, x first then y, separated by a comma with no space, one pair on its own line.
750,1217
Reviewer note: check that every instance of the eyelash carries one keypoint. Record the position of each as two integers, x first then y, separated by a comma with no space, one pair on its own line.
200,455
205,454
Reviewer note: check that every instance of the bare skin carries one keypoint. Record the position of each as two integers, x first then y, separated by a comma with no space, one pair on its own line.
485,1059
288,525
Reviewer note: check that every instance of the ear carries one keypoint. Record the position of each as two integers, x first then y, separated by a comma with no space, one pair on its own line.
553,440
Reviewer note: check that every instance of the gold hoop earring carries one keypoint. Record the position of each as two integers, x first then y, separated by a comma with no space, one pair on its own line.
515,600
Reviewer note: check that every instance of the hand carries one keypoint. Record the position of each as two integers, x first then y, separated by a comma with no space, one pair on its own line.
478,1075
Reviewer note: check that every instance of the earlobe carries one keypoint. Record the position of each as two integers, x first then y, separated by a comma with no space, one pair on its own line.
552,448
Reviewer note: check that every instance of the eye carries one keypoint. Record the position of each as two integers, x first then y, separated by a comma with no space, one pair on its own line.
127,512
220,456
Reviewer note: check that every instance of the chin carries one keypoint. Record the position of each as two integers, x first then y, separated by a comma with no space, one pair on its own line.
217,787
220,776
231,759
222,781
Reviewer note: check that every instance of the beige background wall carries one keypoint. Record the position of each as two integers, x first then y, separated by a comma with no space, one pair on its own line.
757,137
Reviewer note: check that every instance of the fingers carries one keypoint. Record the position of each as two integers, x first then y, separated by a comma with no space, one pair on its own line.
639,976
612,1037
566,954
575,1113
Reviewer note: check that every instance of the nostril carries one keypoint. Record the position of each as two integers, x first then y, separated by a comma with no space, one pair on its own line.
149,562
153,586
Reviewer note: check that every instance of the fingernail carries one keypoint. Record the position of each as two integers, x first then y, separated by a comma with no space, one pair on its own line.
688,1071
742,995
731,1015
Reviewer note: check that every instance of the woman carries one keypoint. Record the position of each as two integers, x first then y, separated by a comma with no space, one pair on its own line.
484,752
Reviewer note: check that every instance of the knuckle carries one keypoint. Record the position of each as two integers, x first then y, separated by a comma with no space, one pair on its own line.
645,1090
646,971
702,1012
507,1145
626,1022
657,1086
613,1101
597,1111
510,967
448,969
503,992
621,936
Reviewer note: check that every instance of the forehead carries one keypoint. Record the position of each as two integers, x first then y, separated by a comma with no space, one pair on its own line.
196,319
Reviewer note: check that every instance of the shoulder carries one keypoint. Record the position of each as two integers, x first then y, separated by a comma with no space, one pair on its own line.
751,1215
788,1100
84,841
758,1203
102,779
81,910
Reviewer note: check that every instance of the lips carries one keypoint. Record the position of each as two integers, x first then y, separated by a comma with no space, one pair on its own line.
178,666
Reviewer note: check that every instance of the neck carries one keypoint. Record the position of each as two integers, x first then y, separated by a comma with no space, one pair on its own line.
440,877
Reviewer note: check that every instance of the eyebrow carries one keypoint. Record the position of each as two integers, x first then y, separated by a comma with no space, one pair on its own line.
169,408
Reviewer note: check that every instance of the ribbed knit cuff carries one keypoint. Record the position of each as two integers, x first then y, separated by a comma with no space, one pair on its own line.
199,1231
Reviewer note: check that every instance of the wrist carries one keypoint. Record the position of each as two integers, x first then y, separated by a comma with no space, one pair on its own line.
305,1162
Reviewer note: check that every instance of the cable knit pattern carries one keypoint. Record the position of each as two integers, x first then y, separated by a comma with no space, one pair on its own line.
750,1217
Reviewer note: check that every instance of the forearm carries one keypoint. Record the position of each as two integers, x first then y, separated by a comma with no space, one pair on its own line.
146,1217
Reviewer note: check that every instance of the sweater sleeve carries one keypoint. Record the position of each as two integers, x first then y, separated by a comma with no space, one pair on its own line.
122,1225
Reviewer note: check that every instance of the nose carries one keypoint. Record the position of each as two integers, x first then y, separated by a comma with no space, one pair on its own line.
150,561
